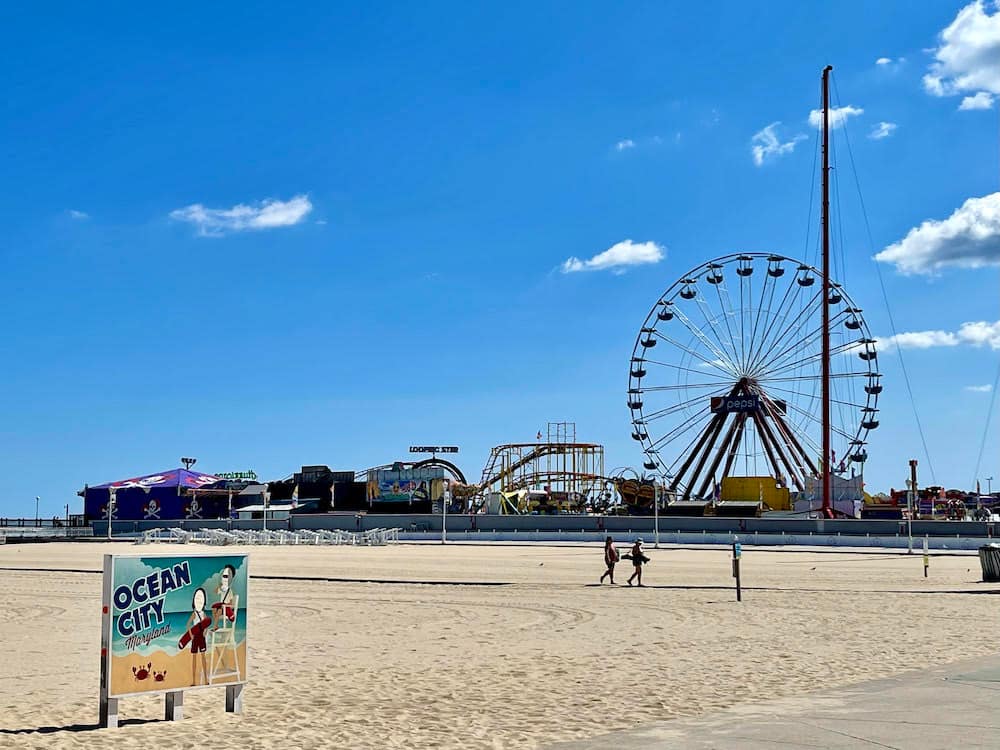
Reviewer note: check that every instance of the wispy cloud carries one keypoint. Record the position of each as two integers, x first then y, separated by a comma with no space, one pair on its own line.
967,59
882,130
979,388
978,333
268,214
81,215
883,61
625,144
969,238
766,145
618,257
979,100
838,115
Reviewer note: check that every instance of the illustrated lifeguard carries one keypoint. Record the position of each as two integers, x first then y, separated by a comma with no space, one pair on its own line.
197,624
224,607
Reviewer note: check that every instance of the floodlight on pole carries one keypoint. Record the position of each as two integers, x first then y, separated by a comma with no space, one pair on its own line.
189,462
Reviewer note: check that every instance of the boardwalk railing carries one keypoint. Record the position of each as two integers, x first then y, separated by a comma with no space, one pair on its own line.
370,538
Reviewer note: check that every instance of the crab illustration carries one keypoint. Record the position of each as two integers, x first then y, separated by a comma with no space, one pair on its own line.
142,672
159,676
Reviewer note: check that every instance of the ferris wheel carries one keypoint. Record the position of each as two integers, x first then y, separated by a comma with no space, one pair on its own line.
727,370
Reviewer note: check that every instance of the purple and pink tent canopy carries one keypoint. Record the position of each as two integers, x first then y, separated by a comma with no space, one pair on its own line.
172,478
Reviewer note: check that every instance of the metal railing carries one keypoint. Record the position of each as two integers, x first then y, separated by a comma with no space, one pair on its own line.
369,538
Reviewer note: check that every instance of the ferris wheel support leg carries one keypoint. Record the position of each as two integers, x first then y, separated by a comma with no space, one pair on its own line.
795,447
793,472
709,436
768,449
732,440
731,459
704,450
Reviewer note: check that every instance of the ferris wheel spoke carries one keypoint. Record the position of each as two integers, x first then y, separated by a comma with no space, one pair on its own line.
798,344
743,332
673,409
727,308
814,396
699,334
676,432
785,331
679,386
817,420
717,365
702,371
760,309
710,319
785,328
810,358
814,376
762,343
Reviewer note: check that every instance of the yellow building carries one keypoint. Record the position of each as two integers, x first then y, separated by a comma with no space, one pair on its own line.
755,489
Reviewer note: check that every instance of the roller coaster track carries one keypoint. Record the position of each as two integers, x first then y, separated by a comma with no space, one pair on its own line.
501,475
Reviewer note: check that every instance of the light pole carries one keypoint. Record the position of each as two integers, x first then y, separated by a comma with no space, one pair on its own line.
656,515
445,497
989,485
112,499
37,498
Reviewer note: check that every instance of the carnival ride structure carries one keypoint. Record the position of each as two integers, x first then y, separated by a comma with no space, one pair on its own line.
755,364
570,472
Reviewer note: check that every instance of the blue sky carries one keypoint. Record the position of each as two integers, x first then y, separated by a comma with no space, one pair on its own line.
429,169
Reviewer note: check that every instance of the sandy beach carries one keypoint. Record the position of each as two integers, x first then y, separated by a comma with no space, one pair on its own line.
488,646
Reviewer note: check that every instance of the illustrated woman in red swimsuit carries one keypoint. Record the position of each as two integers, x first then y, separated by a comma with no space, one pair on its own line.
197,623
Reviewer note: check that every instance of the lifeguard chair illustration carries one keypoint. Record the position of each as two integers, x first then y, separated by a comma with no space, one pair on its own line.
223,657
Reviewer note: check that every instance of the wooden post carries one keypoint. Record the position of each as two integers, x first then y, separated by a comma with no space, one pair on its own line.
234,699
737,552
108,707
174,705
109,713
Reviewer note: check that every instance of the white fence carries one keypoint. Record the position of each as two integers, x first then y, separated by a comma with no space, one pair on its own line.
370,538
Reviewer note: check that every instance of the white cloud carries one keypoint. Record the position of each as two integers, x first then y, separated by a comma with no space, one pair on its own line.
981,100
624,144
918,340
74,214
267,214
978,333
968,56
617,257
882,130
838,116
981,333
883,61
765,144
969,238
979,388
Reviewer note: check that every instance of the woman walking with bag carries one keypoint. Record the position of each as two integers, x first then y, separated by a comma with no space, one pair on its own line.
638,559
610,558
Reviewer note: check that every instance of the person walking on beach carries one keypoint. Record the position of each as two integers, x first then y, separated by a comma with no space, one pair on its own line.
637,561
610,558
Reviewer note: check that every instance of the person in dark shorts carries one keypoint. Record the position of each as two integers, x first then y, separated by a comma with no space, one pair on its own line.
610,558
638,559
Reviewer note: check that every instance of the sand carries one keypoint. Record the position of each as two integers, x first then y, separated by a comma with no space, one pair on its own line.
545,655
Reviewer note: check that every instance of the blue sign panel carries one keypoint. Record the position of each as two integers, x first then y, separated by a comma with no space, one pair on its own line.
735,404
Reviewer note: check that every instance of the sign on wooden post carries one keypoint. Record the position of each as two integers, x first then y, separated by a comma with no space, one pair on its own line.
171,623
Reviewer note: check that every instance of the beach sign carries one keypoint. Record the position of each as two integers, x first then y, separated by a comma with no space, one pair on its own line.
172,623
